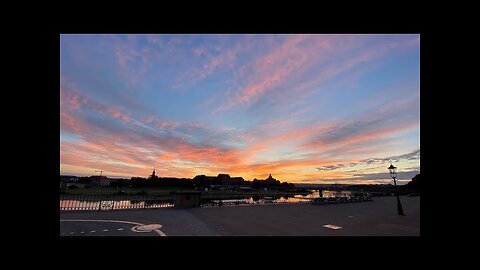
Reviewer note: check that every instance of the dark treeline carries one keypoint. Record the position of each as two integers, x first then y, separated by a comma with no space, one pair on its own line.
199,181
414,185
202,181
264,183
137,182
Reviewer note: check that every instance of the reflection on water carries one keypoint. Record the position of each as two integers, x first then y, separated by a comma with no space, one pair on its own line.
256,199
335,193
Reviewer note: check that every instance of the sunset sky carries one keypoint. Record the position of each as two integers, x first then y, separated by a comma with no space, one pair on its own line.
305,108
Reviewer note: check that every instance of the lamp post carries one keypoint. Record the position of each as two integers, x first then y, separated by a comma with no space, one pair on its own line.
393,174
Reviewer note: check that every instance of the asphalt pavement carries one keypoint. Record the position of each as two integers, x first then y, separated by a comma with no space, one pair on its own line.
376,218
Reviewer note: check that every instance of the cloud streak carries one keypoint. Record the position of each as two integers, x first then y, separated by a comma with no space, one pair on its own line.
415,155
302,107
298,56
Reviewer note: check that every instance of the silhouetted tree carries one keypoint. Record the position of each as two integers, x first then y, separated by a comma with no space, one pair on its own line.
85,180
414,185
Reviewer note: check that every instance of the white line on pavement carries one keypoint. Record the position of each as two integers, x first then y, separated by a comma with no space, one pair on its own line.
99,220
115,221
160,232
331,226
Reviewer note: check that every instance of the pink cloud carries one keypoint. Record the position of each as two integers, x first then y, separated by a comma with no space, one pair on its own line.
168,124
199,51
117,152
70,123
106,153
344,144
127,154
296,56
133,61
293,57
71,100
226,59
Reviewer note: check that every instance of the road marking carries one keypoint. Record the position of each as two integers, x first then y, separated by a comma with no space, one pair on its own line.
71,233
93,231
160,232
350,216
82,232
106,230
99,220
120,229
333,227
148,228
157,231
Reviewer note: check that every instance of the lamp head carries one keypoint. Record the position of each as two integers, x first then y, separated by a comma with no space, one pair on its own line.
393,170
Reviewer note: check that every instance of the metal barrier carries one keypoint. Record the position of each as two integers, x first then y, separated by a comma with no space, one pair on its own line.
78,202
232,199
336,200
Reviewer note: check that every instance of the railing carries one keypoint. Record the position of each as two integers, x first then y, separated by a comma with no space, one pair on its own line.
223,199
78,202
232,196
337,200
75,202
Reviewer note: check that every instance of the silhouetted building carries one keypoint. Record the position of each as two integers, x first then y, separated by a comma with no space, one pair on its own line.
203,180
186,199
153,176
74,185
269,182
68,179
98,180
237,180
225,179
219,180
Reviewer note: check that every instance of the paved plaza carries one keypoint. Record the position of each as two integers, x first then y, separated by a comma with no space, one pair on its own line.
376,218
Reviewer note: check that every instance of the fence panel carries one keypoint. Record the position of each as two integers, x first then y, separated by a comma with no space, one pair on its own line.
89,202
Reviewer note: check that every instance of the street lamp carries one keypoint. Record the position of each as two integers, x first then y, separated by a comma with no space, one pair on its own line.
393,174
